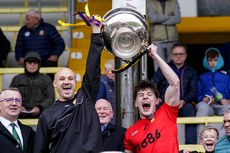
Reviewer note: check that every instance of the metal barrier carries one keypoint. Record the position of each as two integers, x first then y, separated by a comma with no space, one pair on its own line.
17,28
198,148
200,120
21,70
180,120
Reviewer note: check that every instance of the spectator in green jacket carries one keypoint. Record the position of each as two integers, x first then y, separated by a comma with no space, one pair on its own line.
223,144
36,89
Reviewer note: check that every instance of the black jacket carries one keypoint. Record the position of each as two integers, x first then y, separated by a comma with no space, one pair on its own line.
8,144
188,82
113,138
69,128
5,47
43,39
36,90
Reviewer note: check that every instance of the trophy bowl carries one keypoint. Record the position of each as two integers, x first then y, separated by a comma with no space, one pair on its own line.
125,33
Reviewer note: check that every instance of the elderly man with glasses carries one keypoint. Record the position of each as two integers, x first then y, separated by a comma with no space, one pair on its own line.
188,88
15,137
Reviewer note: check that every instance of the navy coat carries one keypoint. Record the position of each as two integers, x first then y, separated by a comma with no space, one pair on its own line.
113,138
8,144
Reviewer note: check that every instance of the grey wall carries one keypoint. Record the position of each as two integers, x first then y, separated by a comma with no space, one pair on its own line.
213,7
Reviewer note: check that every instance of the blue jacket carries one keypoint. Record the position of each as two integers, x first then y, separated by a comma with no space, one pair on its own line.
43,39
188,82
214,78
223,145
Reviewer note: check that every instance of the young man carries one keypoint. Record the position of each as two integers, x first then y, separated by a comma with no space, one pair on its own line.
188,88
223,144
213,87
21,140
37,89
113,136
156,131
71,124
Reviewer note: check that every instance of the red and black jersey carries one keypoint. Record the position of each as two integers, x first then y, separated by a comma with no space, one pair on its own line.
159,136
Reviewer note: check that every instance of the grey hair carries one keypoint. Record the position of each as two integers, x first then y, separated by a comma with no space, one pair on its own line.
11,89
8,89
227,111
34,13
109,65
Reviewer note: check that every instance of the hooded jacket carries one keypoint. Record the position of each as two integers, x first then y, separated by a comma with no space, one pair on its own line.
214,78
36,88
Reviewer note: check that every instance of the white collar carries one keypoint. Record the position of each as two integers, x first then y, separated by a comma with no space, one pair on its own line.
6,122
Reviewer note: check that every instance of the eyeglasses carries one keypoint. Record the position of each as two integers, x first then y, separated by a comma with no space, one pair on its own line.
11,100
178,54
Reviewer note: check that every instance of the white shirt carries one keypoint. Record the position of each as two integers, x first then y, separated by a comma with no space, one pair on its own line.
6,123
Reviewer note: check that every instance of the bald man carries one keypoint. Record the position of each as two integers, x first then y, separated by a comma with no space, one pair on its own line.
71,124
113,136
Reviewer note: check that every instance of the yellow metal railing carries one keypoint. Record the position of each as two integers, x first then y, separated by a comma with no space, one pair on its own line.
180,120
204,24
200,120
62,8
16,28
30,122
198,147
21,70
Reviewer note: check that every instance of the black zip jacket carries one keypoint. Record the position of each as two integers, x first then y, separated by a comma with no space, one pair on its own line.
68,128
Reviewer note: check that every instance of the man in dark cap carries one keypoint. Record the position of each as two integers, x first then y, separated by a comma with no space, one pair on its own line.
36,89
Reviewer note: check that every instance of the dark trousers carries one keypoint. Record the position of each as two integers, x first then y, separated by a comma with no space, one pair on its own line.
188,110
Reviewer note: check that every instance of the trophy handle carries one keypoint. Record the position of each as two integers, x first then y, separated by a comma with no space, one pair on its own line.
129,64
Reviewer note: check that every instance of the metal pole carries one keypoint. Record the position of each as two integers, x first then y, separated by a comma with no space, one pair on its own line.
40,6
124,84
117,97
144,69
70,19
